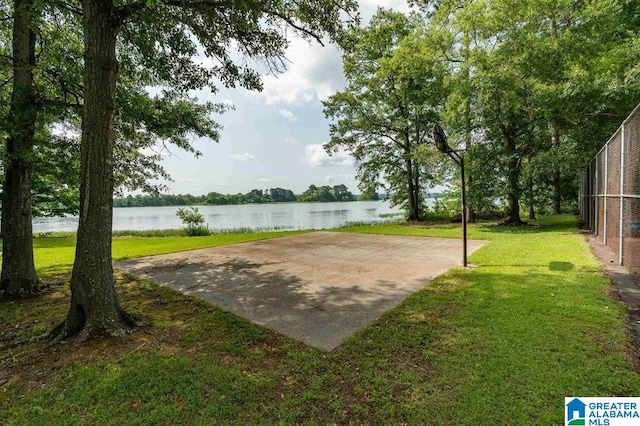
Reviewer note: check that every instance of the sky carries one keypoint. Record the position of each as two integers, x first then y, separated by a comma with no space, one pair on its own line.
274,138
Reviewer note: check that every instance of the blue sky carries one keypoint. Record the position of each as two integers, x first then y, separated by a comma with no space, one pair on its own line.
274,138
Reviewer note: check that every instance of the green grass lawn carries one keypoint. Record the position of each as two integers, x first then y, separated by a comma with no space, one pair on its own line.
56,254
502,343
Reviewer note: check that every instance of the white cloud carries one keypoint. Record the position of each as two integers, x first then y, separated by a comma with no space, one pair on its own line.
290,141
329,178
187,180
65,130
347,176
316,156
264,180
158,151
315,72
285,113
242,157
229,103
397,5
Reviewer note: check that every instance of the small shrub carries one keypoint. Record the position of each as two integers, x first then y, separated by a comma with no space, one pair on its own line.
198,231
194,220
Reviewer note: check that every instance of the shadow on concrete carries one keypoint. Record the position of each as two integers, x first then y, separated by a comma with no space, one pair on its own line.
319,315
318,287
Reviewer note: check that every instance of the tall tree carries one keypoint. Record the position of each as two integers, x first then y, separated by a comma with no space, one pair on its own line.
163,31
143,124
458,114
395,89
94,303
561,38
18,270
506,113
545,71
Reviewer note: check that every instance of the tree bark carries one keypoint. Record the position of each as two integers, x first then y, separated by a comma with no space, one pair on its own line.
416,192
95,309
19,276
413,182
411,191
532,212
513,182
471,214
555,174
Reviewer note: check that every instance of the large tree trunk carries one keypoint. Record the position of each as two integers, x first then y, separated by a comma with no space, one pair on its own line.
416,193
95,309
413,186
413,189
410,191
513,182
532,211
555,173
18,276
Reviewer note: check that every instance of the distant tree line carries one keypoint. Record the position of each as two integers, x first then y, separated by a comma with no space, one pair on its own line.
255,196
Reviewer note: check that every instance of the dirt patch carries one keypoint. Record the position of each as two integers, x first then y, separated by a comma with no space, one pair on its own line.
319,288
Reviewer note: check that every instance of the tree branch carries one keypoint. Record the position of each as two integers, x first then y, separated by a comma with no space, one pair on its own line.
376,122
297,27
6,60
64,104
73,9
132,11
7,81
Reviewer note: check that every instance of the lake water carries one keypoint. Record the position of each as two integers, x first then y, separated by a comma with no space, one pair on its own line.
261,217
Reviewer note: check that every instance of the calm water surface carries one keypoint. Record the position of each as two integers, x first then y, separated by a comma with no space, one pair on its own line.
261,217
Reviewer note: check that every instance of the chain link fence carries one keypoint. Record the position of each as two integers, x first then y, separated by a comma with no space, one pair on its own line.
610,193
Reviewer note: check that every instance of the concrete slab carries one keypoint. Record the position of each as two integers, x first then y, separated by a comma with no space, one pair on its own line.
319,288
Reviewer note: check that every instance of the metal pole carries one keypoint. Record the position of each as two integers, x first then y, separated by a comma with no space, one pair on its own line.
596,198
623,140
605,219
440,139
464,213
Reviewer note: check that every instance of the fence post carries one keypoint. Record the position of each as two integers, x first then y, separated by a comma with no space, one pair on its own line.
622,189
594,195
606,193
595,198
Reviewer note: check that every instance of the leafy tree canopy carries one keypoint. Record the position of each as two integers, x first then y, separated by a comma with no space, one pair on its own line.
395,73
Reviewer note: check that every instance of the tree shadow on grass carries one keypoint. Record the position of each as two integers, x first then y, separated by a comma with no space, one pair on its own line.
530,228
561,266
47,271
